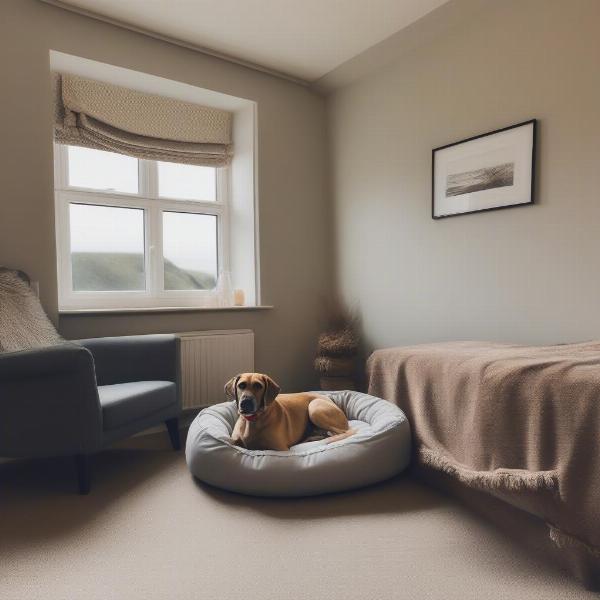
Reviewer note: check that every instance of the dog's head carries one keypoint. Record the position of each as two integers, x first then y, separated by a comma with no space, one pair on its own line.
253,393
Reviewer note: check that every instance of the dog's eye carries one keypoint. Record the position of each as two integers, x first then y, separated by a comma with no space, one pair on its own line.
256,385
242,385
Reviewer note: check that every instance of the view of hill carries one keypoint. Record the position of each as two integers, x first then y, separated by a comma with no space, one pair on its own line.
114,271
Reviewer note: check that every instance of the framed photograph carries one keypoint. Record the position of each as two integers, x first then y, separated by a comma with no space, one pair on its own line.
486,172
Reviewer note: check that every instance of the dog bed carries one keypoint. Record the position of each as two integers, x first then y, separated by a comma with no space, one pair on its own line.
378,450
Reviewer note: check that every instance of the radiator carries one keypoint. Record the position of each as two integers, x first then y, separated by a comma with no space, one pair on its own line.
209,359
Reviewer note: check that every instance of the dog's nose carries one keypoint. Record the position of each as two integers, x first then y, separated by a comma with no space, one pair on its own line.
247,405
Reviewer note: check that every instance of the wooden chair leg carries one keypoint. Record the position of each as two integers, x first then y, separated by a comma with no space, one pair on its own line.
173,428
82,463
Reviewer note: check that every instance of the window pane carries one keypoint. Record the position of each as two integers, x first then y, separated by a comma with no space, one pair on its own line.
190,251
187,182
107,248
101,170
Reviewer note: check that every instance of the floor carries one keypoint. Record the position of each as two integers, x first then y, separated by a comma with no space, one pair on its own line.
149,531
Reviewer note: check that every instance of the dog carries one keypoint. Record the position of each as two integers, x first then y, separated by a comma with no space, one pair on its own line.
269,420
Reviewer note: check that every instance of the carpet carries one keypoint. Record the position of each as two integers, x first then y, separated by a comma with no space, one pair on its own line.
149,531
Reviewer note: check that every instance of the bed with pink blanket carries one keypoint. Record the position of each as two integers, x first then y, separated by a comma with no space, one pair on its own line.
513,424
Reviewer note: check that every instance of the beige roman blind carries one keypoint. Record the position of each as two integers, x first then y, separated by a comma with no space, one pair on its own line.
108,117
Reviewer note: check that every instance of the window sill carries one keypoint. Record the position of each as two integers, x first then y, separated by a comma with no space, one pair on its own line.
159,309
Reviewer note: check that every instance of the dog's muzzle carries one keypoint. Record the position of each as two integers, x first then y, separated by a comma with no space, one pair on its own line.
248,406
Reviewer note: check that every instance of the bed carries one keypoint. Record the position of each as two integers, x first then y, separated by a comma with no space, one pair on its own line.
518,425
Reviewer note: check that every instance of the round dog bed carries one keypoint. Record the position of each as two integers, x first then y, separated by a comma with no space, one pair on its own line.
378,450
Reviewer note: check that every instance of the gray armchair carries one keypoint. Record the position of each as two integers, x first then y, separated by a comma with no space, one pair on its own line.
77,398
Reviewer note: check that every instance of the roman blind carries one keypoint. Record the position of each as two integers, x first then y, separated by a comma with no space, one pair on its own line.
99,115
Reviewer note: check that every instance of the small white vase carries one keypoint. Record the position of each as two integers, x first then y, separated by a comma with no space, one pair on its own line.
224,289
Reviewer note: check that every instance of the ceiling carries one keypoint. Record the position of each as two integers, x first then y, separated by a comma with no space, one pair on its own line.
303,39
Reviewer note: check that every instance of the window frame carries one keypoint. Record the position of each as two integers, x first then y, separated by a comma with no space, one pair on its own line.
147,199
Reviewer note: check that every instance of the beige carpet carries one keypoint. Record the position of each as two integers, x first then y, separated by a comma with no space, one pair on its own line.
148,531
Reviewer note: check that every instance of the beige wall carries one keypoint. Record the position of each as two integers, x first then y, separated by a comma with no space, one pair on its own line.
296,271
527,274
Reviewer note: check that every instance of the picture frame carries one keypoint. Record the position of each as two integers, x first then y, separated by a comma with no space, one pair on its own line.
485,172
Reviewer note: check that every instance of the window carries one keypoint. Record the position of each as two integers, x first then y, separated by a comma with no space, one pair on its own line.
102,171
107,248
189,251
137,233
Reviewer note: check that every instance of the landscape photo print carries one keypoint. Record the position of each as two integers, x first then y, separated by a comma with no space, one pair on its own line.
485,172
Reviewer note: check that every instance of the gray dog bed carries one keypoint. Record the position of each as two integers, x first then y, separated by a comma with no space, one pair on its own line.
379,450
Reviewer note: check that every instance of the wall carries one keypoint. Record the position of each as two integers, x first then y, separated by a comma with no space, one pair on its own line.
528,274
295,274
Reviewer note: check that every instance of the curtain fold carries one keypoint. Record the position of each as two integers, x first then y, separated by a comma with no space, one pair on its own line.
98,115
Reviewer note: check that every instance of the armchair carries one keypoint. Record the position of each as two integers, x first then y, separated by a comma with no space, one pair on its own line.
76,398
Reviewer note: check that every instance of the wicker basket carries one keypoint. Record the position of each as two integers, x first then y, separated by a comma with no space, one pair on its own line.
337,383
337,366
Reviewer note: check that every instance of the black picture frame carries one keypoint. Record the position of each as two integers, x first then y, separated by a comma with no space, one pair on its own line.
530,201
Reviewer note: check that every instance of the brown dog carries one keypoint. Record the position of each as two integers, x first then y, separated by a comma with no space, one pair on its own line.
272,421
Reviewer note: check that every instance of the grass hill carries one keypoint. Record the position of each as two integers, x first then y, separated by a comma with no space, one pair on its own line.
115,271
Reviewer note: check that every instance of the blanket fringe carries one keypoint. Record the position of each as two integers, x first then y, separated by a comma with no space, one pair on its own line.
564,540
497,480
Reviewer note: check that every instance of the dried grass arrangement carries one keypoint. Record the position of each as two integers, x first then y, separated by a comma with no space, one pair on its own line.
337,350
342,343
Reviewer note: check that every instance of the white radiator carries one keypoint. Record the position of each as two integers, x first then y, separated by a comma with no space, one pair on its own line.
209,359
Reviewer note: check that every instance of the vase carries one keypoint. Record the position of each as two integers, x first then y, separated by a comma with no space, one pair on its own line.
224,289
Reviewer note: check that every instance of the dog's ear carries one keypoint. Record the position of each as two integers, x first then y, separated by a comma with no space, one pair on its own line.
271,390
231,388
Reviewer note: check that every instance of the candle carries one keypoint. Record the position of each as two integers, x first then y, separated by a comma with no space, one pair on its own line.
238,298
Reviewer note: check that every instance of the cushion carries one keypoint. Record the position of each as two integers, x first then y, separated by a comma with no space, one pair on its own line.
123,403
23,322
378,450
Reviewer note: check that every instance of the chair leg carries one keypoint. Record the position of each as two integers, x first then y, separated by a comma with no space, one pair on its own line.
82,463
173,428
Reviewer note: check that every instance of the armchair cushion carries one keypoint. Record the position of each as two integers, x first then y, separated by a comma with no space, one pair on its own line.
124,403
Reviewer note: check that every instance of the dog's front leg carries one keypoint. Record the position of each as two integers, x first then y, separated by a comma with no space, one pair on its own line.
237,434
